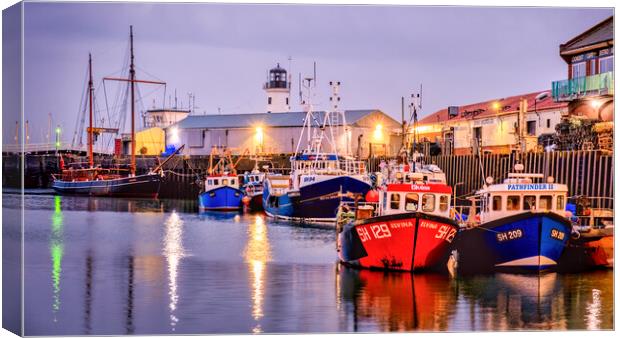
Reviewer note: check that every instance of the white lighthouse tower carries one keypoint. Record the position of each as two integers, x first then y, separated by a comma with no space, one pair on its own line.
278,89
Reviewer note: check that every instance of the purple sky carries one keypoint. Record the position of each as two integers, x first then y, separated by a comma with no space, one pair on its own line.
221,53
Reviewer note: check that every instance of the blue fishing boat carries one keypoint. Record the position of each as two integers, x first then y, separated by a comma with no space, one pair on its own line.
221,193
312,195
319,180
221,186
522,226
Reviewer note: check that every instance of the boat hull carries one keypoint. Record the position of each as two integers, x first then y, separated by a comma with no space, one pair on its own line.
406,242
142,186
591,250
313,203
256,202
528,242
223,198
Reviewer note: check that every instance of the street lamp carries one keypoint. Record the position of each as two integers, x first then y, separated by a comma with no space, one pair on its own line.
57,137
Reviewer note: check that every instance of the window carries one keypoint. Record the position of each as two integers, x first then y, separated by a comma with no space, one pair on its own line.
497,203
428,202
560,203
544,203
210,182
512,203
592,66
443,203
411,202
232,182
606,64
269,100
579,70
478,133
216,182
529,202
395,201
531,128
224,182
548,123
287,101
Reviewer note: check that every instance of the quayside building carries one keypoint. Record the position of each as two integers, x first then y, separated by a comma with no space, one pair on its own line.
277,130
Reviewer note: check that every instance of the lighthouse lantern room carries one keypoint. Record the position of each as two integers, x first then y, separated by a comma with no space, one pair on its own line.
278,89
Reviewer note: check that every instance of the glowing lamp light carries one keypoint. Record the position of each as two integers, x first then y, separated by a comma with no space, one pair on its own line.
595,104
378,133
258,136
496,106
58,130
174,135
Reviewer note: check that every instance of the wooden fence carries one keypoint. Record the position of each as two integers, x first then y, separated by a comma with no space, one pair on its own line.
585,172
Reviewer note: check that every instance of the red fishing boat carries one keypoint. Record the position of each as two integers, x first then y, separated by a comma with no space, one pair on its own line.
408,227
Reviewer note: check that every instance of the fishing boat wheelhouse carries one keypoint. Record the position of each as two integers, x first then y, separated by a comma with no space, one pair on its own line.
409,228
522,225
253,189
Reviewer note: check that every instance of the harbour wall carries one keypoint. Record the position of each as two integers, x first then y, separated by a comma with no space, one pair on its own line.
586,172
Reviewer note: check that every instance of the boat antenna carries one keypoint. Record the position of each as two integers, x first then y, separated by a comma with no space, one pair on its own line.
314,75
91,161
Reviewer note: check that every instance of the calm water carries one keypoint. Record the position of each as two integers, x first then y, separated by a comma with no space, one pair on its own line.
109,266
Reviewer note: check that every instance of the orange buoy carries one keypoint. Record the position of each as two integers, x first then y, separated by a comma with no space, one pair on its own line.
246,200
372,196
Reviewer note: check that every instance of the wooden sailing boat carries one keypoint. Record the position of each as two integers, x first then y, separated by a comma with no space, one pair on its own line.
113,182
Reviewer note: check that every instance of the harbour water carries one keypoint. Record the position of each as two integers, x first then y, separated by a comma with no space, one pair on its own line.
118,266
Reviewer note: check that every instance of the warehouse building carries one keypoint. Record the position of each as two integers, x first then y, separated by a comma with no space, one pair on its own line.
364,133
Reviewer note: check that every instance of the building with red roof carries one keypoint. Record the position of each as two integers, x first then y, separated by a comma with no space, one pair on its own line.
492,126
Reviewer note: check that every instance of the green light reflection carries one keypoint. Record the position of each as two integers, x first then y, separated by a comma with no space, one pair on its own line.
56,252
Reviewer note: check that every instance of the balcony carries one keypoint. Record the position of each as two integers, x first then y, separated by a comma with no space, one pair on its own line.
594,85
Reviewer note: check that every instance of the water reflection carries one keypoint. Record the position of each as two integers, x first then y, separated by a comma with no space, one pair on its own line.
93,204
173,252
257,254
593,317
56,252
508,301
397,301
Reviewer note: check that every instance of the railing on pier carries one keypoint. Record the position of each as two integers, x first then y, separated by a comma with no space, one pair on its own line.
41,148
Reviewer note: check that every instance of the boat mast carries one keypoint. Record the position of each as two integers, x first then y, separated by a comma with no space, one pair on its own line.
91,161
132,77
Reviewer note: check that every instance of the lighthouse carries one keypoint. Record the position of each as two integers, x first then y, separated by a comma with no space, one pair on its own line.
278,89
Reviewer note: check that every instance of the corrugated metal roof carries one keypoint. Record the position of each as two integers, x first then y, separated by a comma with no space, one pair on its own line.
290,119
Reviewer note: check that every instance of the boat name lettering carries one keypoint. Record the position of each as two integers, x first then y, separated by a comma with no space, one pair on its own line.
405,224
446,233
557,234
536,186
509,235
427,224
309,179
420,187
